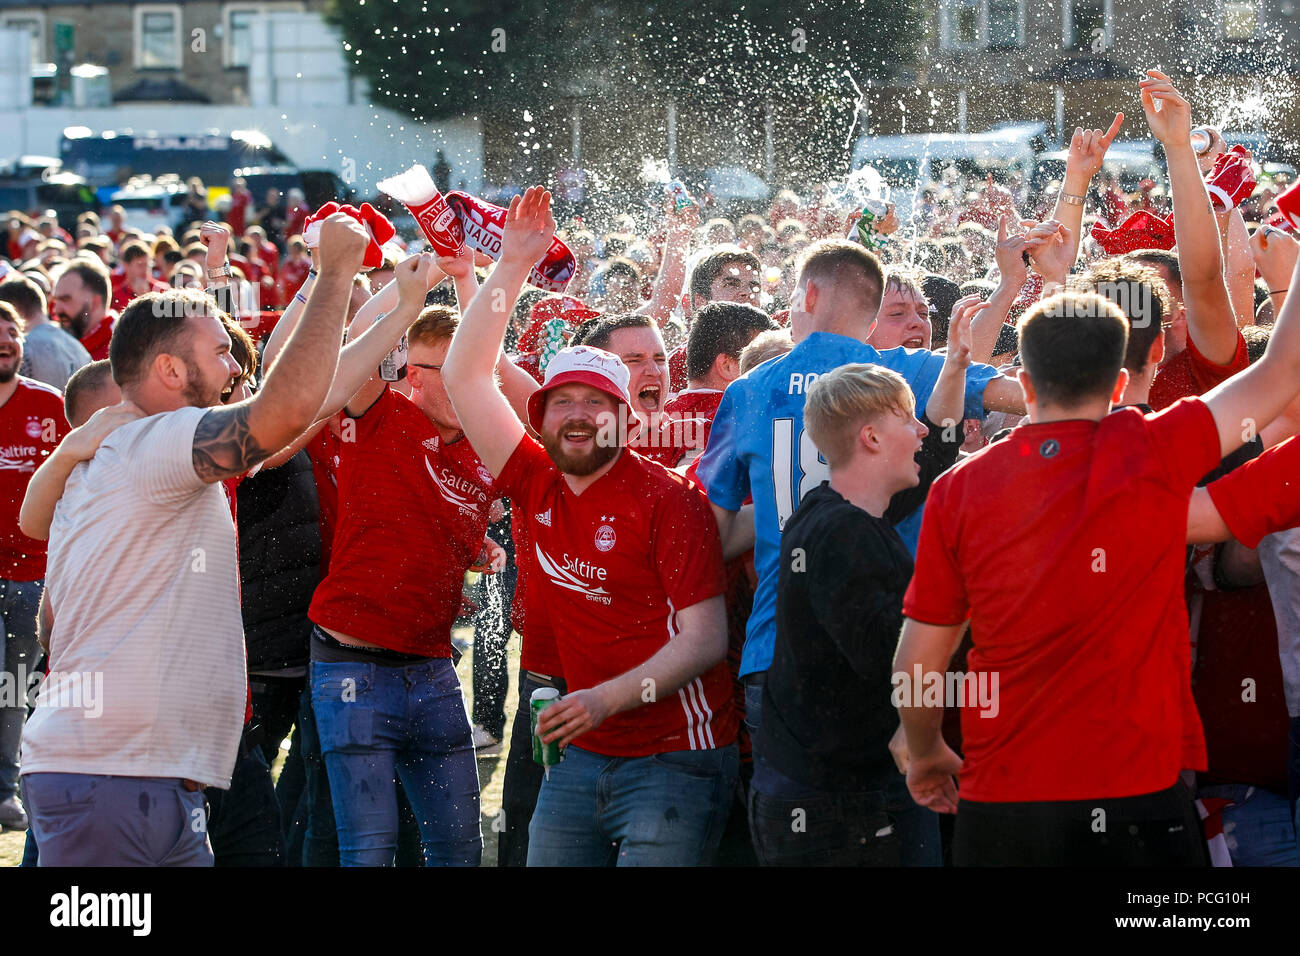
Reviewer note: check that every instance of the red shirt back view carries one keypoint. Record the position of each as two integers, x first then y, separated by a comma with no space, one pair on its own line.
1064,545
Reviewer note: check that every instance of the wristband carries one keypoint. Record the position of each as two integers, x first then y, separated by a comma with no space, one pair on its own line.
224,271
1071,200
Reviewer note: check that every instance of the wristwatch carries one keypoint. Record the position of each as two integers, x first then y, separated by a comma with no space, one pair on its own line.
223,271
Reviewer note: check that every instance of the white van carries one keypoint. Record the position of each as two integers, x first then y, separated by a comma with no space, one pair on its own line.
909,163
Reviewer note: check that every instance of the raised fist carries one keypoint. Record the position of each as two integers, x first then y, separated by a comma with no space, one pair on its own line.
343,244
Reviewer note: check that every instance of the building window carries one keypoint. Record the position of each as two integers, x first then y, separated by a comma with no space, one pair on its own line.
239,17
971,24
1240,19
1088,25
239,34
1006,23
34,23
158,37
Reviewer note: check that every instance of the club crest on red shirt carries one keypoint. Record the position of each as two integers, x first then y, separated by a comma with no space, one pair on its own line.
605,538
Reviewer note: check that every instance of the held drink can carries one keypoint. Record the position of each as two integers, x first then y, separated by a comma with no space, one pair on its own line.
681,198
864,230
546,755
1202,140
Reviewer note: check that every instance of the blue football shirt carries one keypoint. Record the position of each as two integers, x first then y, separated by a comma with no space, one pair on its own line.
758,446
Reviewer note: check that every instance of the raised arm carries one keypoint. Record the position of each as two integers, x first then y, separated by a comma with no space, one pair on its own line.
1250,400
490,424
1211,325
516,384
376,332
700,642
1083,162
672,271
289,318
231,439
947,403
1239,265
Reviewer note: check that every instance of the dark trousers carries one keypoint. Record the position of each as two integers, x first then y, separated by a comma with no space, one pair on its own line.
523,779
490,677
244,821
1153,829
281,705
848,829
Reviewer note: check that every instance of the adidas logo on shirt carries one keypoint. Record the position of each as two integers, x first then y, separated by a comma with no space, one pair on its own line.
544,517
431,443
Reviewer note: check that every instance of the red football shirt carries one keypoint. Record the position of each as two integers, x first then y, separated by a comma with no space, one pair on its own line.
325,451
677,378
528,616
1190,373
614,565
1064,546
123,294
1261,496
690,415
97,339
31,425
413,511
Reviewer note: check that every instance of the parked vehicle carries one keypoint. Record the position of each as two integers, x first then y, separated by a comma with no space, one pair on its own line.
66,193
909,163
150,203
108,160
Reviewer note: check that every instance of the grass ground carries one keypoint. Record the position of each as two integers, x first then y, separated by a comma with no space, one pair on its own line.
491,770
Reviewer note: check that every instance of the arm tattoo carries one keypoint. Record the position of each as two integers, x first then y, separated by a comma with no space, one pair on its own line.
224,446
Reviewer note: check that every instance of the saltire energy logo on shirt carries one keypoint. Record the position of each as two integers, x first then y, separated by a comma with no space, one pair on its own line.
567,575
465,495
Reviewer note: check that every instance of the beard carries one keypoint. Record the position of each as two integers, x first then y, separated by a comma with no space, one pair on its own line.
197,393
578,465
8,373
79,324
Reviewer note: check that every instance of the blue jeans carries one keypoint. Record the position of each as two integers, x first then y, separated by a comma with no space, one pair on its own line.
1258,827
377,723
667,809
19,603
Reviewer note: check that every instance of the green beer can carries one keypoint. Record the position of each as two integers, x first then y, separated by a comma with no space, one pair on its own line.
547,755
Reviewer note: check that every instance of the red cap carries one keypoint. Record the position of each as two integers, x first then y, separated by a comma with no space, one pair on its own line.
581,365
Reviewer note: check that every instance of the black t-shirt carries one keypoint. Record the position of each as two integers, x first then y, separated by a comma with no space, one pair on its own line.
827,710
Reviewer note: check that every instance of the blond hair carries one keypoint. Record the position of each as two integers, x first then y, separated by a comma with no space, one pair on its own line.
764,346
840,402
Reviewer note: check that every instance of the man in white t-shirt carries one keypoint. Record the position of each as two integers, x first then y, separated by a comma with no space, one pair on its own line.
146,694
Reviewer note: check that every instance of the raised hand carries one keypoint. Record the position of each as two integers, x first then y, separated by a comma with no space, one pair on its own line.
458,267
1275,256
959,337
1054,257
1088,149
412,276
529,227
1010,252
1171,123
343,244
